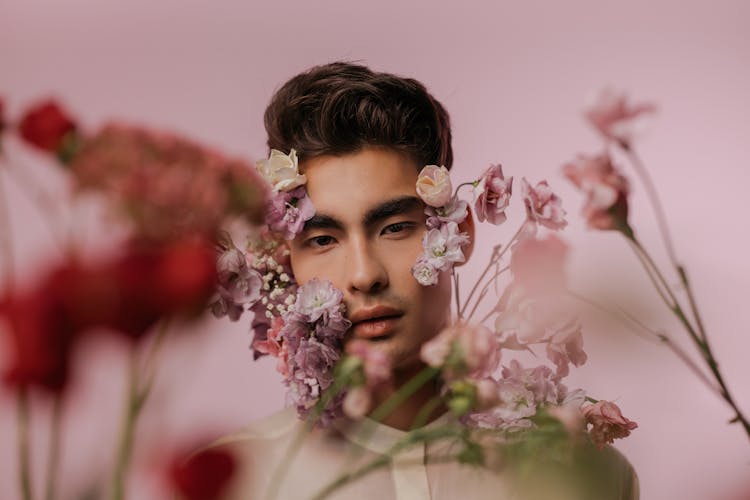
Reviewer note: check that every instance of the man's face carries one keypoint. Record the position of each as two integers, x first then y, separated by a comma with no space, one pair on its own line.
365,237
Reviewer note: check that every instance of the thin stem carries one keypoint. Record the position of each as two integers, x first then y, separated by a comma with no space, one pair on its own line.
638,328
424,413
497,254
24,454
653,196
652,273
53,460
456,292
693,305
484,291
133,403
404,392
46,204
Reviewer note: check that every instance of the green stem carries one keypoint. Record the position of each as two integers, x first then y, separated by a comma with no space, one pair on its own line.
53,460
133,404
404,392
703,346
24,455
424,413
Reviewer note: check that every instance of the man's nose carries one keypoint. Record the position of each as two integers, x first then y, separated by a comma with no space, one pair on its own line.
366,272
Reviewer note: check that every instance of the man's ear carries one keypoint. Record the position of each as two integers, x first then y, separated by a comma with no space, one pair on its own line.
467,226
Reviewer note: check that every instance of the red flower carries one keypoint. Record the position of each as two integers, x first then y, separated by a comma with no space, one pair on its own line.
203,476
45,126
42,328
186,276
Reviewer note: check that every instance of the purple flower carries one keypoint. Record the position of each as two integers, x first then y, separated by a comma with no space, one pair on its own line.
315,359
237,283
492,195
287,212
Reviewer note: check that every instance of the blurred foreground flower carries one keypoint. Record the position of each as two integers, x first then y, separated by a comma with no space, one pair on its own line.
47,125
205,475
613,116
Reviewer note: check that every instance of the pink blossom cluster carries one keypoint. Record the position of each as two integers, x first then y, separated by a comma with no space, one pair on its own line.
307,341
443,239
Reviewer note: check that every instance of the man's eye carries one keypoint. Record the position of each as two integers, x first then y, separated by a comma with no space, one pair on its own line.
398,227
319,241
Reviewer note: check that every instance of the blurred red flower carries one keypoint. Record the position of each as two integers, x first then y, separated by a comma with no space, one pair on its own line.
45,126
166,185
2,115
42,327
204,475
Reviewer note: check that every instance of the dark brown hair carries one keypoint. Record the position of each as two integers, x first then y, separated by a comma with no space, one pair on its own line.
341,107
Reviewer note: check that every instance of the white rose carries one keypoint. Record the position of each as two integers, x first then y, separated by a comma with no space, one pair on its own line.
281,171
434,185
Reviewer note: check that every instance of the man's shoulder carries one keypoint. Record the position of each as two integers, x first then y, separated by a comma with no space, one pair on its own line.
272,427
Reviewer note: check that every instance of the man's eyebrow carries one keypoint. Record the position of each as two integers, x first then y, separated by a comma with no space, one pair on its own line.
321,221
390,208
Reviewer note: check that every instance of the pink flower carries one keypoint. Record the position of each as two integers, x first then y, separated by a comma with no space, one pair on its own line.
357,402
443,246
612,115
425,273
542,205
539,264
376,362
475,346
565,347
606,190
492,195
434,185
454,211
570,417
607,423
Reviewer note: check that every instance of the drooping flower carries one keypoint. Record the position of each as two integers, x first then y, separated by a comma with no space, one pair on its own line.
607,423
606,190
281,171
492,195
613,116
443,246
434,185
287,212
542,205
566,346
205,475
45,125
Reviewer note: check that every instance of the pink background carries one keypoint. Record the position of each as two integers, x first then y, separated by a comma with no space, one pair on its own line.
514,77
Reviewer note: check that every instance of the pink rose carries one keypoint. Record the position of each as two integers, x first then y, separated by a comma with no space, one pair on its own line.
434,185
613,116
607,423
606,190
492,195
542,205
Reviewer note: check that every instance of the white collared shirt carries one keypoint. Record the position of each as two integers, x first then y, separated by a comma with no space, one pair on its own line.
325,454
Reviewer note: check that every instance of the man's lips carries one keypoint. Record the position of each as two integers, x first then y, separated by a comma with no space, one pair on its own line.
373,322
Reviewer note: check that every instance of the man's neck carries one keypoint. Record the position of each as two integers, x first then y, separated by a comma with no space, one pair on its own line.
405,415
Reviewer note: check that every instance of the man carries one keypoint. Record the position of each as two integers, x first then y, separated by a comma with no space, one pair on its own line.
362,138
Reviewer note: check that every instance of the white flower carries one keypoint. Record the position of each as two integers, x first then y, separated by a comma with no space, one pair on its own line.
424,273
442,247
281,171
